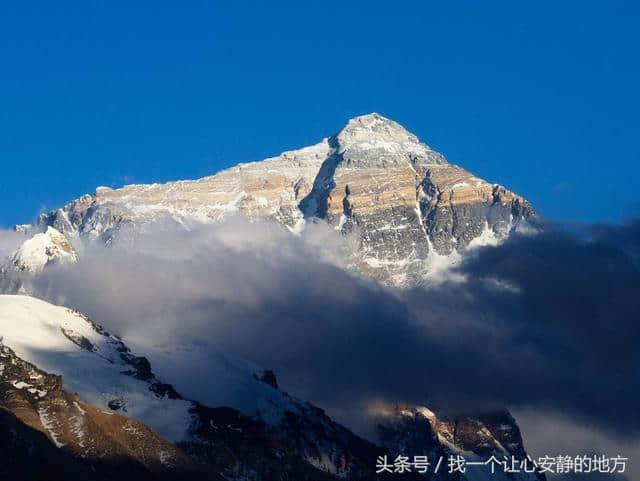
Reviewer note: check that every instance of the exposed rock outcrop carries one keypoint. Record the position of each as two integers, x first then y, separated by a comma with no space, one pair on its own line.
416,430
48,433
404,200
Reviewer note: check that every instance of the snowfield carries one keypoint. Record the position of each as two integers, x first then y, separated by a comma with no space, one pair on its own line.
61,341
64,342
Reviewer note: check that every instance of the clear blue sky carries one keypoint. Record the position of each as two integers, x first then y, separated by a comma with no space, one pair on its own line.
540,96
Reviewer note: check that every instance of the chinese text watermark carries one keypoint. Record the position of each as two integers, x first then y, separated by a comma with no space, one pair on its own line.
544,464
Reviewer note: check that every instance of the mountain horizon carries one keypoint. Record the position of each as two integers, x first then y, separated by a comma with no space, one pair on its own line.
372,176
319,241
371,209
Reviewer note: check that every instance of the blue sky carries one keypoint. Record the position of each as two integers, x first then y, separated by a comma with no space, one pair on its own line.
542,97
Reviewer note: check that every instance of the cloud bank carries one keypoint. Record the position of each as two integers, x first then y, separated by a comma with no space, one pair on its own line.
548,322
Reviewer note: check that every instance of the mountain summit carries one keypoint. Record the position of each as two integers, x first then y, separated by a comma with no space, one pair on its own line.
375,140
407,204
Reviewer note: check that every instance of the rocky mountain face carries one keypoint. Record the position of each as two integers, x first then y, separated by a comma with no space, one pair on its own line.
47,432
415,431
77,396
407,204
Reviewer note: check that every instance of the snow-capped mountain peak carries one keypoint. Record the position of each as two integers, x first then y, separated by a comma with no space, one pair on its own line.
375,140
43,249
373,128
407,204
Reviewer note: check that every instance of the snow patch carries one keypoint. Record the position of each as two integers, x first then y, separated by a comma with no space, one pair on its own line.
82,411
48,423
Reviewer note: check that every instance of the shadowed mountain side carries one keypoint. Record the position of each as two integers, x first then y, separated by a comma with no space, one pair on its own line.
47,433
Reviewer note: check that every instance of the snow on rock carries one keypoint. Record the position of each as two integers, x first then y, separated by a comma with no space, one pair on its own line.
94,364
231,381
404,200
43,249
49,424
76,439
102,371
416,430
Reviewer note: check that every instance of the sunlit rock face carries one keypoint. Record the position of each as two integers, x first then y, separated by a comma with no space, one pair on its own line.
374,178
417,431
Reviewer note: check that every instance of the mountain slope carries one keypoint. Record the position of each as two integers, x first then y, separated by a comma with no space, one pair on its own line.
93,363
41,250
44,426
50,351
36,253
405,201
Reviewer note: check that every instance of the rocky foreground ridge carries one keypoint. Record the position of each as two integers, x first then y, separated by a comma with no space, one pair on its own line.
74,397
